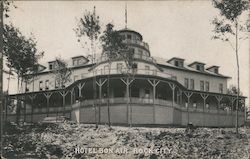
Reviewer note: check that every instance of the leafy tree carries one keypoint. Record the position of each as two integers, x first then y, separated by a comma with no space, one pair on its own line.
89,26
227,25
113,48
232,90
21,52
62,72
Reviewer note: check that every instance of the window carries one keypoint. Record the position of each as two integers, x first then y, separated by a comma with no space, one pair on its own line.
75,62
75,78
198,67
191,83
221,88
106,68
176,63
41,85
202,85
147,69
51,66
207,86
82,76
47,84
119,67
181,63
56,83
129,37
216,70
27,89
186,82
140,52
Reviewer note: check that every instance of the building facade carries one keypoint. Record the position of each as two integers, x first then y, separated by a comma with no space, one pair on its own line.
155,91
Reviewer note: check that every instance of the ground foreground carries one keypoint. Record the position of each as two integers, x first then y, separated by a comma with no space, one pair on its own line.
68,140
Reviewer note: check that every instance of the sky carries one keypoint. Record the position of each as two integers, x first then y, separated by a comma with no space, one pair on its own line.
171,28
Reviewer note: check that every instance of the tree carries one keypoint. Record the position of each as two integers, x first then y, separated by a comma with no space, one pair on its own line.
229,25
62,72
89,26
21,52
232,90
113,47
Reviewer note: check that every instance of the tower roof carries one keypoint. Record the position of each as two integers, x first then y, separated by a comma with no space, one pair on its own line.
131,31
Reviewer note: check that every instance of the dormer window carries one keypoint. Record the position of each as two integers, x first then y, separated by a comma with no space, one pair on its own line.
79,60
178,62
214,69
50,66
197,66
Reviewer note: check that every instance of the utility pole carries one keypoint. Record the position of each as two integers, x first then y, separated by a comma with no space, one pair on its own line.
1,77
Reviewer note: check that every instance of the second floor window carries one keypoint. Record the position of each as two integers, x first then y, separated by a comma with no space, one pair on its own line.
221,88
202,85
191,83
47,84
106,69
75,78
207,86
41,85
119,67
186,82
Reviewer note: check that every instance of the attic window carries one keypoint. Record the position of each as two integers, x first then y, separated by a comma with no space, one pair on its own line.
198,67
176,63
216,70
51,66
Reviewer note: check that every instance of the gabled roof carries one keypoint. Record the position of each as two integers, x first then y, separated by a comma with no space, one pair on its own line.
175,58
196,62
162,63
212,67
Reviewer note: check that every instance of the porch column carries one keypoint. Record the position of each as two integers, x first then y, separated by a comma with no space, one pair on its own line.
100,84
219,98
127,83
181,102
232,99
71,96
172,86
47,95
204,97
80,86
32,97
188,95
154,83
63,94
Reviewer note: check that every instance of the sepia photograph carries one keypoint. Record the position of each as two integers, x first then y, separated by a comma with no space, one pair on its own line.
125,79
